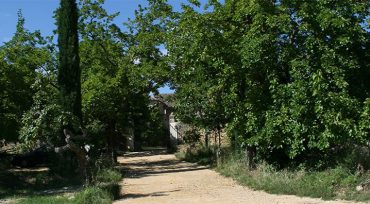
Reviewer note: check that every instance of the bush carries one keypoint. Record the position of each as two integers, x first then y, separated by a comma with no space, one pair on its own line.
93,195
191,136
201,155
113,189
108,176
108,180
354,156
338,182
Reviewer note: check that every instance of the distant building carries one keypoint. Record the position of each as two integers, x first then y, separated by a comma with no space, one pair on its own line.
164,102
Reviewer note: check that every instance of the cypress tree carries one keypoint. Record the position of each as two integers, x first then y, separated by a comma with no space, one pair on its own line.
69,73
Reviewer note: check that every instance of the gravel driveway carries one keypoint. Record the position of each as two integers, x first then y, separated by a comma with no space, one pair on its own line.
161,178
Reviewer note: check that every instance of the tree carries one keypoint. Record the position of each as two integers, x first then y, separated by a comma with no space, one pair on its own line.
147,31
284,75
197,56
314,108
69,73
105,75
115,81
69,81
22,61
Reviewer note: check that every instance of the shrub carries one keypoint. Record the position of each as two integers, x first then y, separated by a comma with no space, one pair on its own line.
202,155
108,176
338,182
191,136
354,156
93,195
108,180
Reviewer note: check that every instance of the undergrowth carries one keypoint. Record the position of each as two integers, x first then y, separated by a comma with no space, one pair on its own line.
103,190
201,155
89,195
46,200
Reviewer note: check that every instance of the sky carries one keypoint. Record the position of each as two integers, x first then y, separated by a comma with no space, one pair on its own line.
39,16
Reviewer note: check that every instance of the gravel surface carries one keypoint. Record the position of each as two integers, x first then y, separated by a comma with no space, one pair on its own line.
161,178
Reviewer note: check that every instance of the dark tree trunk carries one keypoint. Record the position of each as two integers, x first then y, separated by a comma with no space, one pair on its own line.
111,142
79,151
218,153
219,136
250,154
137,140
206,138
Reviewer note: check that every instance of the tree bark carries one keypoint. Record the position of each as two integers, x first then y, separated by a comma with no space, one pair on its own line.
137,139
250,153
206,138
80,152
111,142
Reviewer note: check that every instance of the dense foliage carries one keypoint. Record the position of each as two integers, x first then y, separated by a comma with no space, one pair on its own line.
22,61
69,72
118,76
288,78
287,81
118,72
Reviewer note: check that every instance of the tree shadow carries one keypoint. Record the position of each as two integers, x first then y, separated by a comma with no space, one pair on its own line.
142,167
34,181
139,165
148,152
154,194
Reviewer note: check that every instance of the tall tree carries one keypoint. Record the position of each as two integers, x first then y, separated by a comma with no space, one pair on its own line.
289,76
69,81
69,75
21,61
115,83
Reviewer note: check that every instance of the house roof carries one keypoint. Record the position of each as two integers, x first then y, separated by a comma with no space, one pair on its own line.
166,99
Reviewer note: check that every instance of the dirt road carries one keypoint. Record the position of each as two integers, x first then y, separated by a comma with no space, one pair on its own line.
161,179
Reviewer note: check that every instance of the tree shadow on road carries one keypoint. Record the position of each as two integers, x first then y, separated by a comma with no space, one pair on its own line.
148,152
143,167
154,194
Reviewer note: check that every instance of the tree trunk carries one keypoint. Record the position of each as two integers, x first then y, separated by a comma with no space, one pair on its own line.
219,137
137,139
218,153
250,153
215,138
78,150
206,138
111,143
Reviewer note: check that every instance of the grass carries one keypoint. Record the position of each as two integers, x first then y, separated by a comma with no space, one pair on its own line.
334,183
327,184
108,180
108,176
90,195
46,200
93,195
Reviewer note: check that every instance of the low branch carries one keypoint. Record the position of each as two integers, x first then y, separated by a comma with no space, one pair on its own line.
80,152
